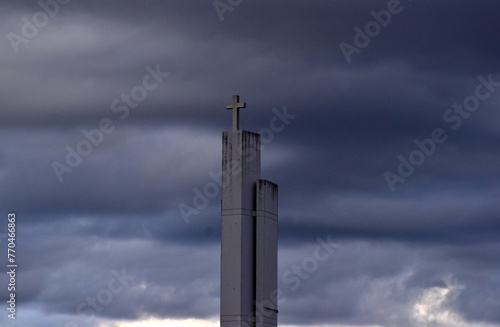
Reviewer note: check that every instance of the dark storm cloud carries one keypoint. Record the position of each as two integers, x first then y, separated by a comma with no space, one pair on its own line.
119,208
198,59
80,267
102,192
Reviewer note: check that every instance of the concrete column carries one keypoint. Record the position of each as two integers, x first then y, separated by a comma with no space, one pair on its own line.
241,173
266,254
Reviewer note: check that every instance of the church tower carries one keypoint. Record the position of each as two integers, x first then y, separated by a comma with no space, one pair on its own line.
249,242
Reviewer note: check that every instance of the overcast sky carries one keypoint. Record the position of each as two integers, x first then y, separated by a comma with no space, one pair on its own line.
381,128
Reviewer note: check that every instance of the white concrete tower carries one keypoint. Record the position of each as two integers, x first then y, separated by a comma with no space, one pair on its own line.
249,243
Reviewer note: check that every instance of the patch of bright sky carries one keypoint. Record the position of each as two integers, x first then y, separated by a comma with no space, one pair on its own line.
195,323
433,307
163,323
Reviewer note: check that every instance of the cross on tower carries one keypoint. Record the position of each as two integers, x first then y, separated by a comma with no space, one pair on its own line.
236,106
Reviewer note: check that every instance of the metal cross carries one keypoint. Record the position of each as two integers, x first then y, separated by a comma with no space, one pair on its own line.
236,106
